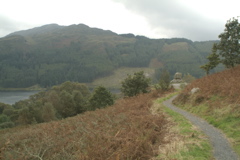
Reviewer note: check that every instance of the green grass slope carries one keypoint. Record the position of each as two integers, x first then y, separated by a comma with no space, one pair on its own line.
218,101
114,81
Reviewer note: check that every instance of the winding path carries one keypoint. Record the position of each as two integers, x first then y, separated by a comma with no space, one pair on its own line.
221,147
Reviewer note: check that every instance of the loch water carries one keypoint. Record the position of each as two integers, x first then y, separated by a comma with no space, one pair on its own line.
11,97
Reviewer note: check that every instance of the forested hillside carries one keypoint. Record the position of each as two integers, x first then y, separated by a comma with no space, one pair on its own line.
53,54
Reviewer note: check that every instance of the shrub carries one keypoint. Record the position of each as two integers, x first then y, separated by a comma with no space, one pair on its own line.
136,84
101,98
128,130
62,101
164,81
4,118
182,98
7,125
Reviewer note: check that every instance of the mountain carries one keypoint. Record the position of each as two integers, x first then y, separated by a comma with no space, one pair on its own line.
51,54
38,30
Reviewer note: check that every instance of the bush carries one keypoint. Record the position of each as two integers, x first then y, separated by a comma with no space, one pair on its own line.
101,98
62,101
5,122
164,80
7,125
4,118
136,84
182,98
128,130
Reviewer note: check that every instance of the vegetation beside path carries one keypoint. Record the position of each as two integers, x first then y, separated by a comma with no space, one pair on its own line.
126,130
217,102
185,140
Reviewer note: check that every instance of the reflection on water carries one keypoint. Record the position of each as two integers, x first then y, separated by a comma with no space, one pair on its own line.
10,97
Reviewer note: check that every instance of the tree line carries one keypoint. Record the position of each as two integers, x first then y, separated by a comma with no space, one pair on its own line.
24,63
59,102
227,51
72,98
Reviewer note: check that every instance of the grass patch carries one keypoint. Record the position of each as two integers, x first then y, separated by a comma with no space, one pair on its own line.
221,115
114,81
217,102
189,142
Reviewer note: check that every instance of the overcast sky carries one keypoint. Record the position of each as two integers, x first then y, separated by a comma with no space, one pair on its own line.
197,20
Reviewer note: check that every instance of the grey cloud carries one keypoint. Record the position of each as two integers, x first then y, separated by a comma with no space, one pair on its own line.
174,19
8,26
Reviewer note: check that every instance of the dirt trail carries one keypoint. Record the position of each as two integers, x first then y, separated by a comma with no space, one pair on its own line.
221,147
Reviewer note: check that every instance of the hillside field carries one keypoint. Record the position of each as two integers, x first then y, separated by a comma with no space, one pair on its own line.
218,101
114,81
133,128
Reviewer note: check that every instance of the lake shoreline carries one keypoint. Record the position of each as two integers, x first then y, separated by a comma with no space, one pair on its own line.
19,89
11,97
23,89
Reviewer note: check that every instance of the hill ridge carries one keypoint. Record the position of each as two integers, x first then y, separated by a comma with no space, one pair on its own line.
44,28
52,54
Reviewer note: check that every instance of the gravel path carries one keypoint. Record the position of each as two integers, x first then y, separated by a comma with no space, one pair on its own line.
221,147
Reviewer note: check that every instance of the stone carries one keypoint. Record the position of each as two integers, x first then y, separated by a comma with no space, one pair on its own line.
177,78
195,90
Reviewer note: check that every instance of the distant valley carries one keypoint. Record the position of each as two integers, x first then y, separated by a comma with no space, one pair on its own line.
52,54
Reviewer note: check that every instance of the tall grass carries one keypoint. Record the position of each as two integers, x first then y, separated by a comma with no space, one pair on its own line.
185,140
218,101
225,84
126,130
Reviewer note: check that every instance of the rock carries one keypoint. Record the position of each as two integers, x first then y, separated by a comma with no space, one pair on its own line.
178,85
177,78
178,75
195,90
